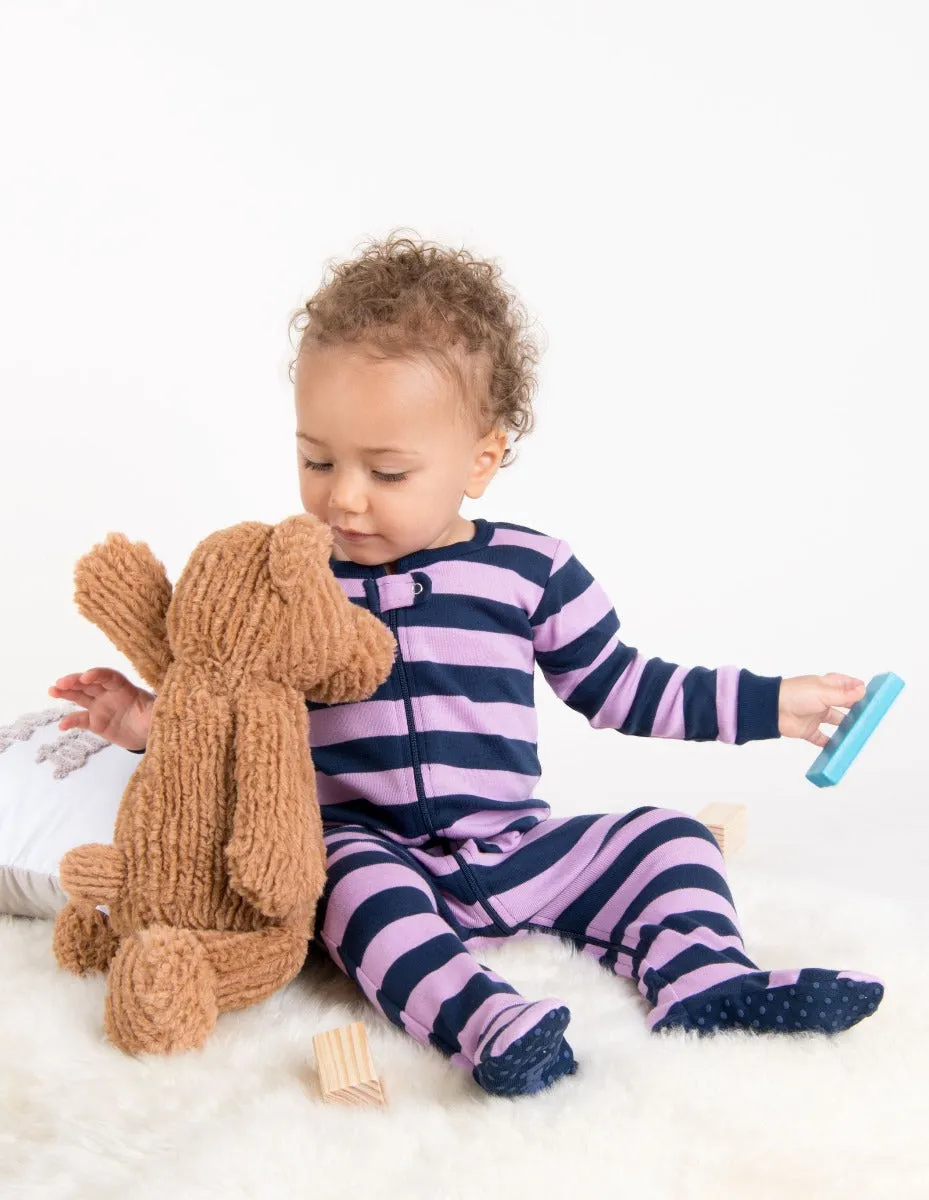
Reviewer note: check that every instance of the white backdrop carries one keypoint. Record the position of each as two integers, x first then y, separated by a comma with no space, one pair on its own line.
716,211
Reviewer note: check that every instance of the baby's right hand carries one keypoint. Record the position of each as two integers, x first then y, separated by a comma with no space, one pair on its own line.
116,709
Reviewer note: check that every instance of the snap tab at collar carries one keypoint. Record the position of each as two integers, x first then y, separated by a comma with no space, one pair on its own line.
403,591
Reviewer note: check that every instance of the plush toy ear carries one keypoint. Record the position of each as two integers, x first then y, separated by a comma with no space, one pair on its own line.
296,544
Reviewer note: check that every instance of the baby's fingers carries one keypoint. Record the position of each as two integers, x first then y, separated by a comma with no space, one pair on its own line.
77,720
103,679
73,695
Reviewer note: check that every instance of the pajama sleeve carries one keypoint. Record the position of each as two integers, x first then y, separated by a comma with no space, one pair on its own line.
577,646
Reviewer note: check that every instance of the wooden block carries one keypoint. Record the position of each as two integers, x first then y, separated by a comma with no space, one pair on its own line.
727,823
346,1072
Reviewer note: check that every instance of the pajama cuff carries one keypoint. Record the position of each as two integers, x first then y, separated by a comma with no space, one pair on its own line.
757,717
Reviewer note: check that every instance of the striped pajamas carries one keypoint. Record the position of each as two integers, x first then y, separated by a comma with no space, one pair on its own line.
437,844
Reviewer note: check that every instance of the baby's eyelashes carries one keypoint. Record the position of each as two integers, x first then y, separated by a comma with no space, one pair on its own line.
383,476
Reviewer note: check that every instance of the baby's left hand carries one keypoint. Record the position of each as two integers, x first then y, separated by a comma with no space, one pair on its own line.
808,701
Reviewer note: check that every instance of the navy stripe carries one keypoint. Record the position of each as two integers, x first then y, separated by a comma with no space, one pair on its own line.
533,565
566,584
701,722
641,716
458,1010
683,875
411,968
538,855
578,915
391,752
591,693
479,684
758,715
375,914
405,820
582,651
479,614
446,810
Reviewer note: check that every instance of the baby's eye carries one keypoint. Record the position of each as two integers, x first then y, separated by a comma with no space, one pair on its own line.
381,476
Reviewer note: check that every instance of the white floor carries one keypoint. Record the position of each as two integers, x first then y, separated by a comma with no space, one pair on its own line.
671,1116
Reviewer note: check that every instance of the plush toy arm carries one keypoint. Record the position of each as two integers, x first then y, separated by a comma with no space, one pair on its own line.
364,659
125,591
276,856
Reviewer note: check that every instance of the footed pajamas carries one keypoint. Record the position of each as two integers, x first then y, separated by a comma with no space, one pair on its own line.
437,844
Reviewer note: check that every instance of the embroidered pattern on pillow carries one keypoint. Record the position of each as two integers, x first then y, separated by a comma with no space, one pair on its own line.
68,753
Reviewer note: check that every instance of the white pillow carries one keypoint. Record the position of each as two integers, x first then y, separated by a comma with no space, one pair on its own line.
57,790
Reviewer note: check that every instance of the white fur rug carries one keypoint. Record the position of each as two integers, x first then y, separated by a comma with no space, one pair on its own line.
669,1115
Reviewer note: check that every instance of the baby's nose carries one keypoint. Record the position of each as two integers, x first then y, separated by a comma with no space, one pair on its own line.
347,496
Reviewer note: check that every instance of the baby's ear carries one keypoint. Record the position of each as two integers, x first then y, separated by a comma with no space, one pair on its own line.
297,543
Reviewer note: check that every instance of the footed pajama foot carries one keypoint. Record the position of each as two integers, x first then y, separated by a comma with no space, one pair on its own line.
812,999
527,1051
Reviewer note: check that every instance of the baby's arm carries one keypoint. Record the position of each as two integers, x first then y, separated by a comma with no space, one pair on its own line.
577,646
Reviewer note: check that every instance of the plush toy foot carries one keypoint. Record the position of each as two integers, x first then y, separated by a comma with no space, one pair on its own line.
162,993
94,872
83,940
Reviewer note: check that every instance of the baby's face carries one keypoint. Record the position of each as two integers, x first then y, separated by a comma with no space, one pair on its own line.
385,452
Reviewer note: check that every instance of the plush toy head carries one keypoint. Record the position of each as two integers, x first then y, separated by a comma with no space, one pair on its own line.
218,858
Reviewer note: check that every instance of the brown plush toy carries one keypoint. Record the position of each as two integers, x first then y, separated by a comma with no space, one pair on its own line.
218,858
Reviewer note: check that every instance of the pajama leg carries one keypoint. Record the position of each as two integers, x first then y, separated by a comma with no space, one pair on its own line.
652,902
384,922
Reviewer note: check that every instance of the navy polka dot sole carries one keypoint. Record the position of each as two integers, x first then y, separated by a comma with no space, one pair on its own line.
533,1062
819,1001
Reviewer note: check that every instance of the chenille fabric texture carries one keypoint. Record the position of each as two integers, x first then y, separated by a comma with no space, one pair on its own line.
218,861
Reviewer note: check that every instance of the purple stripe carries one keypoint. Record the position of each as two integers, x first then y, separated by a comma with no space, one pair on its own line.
483,823
857,976
427,998
438,864
567,893
526,899
616,706
333,838
670,942
353,588
486,1017
466,647
476,781
669,716
345,722
452,714
573,619
458,714
727,703
690,985
360,885
692,850
392,788
526,1020
531,541
397,939
469,578
563,684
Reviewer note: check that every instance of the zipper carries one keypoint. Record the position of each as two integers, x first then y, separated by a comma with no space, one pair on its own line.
465,866
411,730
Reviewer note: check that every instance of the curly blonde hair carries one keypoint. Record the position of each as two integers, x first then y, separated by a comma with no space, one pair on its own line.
403,297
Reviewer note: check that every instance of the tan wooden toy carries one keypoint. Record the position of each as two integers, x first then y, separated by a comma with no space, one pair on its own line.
346,1072
726,822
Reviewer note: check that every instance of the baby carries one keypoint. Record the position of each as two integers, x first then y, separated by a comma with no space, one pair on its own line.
413,372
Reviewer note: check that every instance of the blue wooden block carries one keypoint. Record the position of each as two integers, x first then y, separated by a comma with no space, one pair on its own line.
860,722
